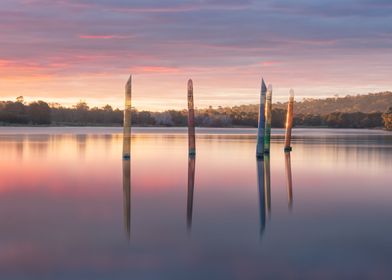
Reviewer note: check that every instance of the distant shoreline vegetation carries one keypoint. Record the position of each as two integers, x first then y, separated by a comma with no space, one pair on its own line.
361,111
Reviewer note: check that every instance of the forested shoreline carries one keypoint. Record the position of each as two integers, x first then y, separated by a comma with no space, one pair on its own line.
41,113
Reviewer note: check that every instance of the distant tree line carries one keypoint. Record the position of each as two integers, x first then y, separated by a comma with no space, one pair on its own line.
387,117
369,103
41,113
17,112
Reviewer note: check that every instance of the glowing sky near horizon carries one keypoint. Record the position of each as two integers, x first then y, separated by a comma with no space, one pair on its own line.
68,50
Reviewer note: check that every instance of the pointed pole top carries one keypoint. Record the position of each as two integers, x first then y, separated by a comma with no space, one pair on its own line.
263,86
190,84
291,93
129,82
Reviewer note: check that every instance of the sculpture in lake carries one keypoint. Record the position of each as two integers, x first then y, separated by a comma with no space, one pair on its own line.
191,120
127,119
261,122
289,121
268,117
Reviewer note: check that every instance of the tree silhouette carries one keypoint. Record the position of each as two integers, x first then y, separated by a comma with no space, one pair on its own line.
39,113
387,117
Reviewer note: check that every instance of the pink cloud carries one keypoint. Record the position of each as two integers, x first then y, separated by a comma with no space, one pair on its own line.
103,37
10,69
155,69
269,63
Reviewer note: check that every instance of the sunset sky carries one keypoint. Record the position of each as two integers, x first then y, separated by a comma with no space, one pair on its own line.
67,50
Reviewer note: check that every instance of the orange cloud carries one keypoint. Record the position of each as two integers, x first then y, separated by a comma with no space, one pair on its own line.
269,63
10,69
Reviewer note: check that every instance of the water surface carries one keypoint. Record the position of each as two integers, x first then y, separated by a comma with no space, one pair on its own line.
71,208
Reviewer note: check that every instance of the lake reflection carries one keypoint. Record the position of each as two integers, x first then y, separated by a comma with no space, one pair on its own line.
289,179
191,186
127,196
322,211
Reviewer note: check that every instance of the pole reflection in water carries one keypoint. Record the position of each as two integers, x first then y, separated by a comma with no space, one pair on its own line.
289,180
191,184
267,185
127,196
260,184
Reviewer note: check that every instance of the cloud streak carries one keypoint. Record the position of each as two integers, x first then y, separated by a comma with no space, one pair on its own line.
224,45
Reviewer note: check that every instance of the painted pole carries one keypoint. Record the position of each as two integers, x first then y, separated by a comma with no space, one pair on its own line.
127,120
267,185
268,117
260,184
289,122
191,185
127,196
289,180
191,121
261,122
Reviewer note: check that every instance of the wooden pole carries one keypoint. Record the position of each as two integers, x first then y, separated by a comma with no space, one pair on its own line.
191,121
261,122
127,120
268,117
289,122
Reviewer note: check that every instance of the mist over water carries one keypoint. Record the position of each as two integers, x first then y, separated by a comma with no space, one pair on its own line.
71,208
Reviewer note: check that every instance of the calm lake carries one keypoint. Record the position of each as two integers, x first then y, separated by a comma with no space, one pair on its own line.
71,208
